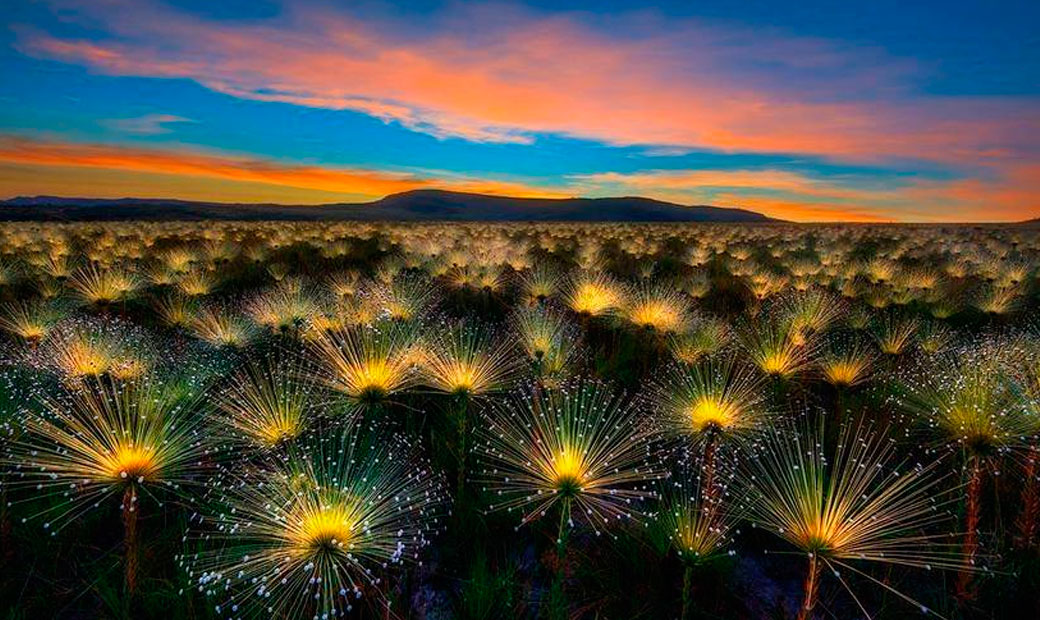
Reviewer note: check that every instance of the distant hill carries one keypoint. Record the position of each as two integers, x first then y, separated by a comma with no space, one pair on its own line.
427,205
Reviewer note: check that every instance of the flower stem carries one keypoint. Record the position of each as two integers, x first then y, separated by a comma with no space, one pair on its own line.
463,430
558,606
812,586
130,538
1026,521
687,581
965,591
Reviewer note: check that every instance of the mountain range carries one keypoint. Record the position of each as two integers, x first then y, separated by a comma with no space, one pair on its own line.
416,205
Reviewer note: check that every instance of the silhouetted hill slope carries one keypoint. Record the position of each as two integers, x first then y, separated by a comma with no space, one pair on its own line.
413,205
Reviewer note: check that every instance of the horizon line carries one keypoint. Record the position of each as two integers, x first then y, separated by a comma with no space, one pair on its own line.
770,220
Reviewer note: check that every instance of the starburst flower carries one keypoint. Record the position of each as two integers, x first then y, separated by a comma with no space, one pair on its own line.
881,270
305,535
710,401
965,402
706,337
110,438
998,300
343,284
811,312
580,448
550,341
176,311
775,349
699,518
696,284
934,337
858,318
285,308
539,283
664,310
594,294
221,328
178,260
88,349
57,266
765,284
464,360
368,365
860,506
103,286
846,365
8,273
159,275
894,335
29,321
197,282
266,403
404,298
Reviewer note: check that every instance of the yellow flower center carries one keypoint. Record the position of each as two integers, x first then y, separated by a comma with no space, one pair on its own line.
460,377
32,331
656,314
131,462
283,427
539,345
330,527
711,412
84,360
775,363
373,378
568,470
593,299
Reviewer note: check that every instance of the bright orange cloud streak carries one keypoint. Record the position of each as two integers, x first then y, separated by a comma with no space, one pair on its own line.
352,182
683,84
758,179
38,166
1013,196
777,193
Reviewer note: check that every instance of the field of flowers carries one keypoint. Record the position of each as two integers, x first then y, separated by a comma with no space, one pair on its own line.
323,420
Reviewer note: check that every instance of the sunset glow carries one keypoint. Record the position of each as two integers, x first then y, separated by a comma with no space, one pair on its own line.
802,117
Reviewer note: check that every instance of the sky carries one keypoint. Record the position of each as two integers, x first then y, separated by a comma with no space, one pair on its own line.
809,111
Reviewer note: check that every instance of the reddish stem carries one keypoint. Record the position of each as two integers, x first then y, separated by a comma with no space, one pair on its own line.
130,537
710,445
1026,521
972,509
812,587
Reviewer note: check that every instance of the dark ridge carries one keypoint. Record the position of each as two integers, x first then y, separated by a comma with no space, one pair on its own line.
416,205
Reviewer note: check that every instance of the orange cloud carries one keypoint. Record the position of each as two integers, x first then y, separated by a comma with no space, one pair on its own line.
1013,194
359,183
757,179
803,211
31,166
519,74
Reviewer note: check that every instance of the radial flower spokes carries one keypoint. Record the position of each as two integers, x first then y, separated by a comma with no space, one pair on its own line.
267,402
581,447
106,435
468,360
711,398
368,364
698,515
862,505
306,535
